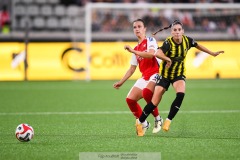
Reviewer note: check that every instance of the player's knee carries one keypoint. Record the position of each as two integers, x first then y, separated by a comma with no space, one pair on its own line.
147,94
130,101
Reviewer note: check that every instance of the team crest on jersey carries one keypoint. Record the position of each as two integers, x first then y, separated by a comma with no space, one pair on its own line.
150,39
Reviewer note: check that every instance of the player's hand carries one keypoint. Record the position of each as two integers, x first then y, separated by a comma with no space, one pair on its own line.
217,53
117,85
169,63
128,48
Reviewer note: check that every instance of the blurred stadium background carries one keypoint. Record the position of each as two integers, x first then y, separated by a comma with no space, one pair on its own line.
84,39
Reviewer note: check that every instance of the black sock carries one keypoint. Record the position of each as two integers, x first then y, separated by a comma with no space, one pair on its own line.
176,105
146,111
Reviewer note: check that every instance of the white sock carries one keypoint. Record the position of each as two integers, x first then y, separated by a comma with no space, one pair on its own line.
138,121
158,118
169,119
145,124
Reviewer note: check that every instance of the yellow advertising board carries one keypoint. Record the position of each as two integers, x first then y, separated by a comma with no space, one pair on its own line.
107,61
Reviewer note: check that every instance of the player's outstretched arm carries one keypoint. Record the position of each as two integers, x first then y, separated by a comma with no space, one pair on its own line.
128,74
204,49
148,54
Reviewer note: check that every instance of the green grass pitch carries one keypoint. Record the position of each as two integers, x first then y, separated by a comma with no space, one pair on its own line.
70,117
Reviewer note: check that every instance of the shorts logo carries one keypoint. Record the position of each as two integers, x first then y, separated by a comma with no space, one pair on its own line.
158,77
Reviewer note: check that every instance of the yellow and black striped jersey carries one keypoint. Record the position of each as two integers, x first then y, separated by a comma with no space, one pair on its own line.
177,53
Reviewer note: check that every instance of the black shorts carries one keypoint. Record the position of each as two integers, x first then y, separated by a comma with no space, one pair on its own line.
165,82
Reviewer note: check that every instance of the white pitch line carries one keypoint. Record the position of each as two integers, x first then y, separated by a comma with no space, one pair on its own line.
212,111
112,112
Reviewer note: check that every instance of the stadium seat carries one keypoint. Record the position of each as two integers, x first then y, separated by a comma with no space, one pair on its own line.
53,1
33,10
78,23
52,23
17,1
46,10
39,23
81,11
22,23
59,10
65,23
27,1
41,1
19,10
73,11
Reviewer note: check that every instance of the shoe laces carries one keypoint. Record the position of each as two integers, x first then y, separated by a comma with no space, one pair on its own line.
156,123
147,125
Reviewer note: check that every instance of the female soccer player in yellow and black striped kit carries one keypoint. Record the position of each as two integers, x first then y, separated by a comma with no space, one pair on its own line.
176,48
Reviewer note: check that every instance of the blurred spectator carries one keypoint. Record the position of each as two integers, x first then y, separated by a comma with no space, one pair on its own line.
108,23
126,1
187,20
5,20
208,25
149,21
234,30
122,23
222,25
96,22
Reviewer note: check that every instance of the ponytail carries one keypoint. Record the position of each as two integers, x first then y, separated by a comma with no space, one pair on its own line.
162,29
174,23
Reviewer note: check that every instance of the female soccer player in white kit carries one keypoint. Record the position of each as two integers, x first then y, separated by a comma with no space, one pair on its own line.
149,67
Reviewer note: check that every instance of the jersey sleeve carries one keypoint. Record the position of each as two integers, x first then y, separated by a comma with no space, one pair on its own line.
165,46
192,42
133,60
152,44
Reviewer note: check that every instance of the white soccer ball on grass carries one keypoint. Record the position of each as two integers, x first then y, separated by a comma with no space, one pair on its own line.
24,132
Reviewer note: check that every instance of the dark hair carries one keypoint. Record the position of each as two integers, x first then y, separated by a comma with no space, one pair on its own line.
140,20
176,22
171,25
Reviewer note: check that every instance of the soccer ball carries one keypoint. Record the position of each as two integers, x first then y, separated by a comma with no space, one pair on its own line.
24,132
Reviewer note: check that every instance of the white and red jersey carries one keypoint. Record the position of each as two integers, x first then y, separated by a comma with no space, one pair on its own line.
147,66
